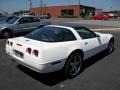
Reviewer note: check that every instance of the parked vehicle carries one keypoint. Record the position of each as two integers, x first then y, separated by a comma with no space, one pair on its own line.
20,24
6,19
100,17
2,18
52,48
45,16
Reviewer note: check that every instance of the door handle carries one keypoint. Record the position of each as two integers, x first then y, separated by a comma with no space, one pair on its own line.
86,43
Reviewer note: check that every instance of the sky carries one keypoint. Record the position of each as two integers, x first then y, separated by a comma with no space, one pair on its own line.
15,5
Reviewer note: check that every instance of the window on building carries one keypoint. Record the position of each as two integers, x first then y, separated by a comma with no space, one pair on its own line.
67,12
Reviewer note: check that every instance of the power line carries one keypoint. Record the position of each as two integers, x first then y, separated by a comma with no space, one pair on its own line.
79,6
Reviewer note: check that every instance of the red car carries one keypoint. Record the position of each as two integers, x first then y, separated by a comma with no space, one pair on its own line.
100,17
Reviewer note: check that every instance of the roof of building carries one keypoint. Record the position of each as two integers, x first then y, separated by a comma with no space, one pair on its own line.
67,6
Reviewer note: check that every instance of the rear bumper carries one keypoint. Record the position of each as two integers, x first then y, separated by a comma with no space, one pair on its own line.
41,68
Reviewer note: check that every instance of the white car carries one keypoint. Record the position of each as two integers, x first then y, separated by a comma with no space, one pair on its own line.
55,47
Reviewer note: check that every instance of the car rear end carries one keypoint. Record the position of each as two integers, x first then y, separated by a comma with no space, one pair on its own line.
27,53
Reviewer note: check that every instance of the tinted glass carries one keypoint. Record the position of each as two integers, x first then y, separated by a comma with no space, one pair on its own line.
13,20
9,18
51,34
25,20
85,33
68,35
34,19
2,18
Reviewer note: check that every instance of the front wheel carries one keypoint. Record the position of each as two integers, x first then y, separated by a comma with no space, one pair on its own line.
110,48
73,65
6,34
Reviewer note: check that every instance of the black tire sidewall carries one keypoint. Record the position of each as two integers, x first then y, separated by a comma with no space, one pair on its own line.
111,41
9,34
68,62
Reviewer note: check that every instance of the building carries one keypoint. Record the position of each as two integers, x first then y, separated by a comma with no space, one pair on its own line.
98,11
60,11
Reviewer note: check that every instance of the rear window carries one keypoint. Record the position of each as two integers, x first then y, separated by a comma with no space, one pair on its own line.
50,34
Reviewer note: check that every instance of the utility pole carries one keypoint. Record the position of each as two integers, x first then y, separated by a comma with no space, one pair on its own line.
41,6
30,6
79,6
45,8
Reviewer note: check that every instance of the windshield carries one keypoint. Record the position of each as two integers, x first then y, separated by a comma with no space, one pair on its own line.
9,18
2,18
13,20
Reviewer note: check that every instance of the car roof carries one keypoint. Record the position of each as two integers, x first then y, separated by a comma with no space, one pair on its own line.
69,25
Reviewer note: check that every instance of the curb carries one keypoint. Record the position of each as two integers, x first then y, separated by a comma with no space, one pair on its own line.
106,29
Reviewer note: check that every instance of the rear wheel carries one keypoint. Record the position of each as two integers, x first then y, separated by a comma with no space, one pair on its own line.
73,65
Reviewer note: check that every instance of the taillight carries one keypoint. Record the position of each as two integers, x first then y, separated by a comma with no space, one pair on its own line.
35,52
29,50
11,43
8,42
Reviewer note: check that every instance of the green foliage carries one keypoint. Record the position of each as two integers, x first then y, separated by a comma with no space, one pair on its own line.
86,17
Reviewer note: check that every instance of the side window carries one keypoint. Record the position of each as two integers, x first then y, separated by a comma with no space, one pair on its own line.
68,35
24,20
85,33
34,19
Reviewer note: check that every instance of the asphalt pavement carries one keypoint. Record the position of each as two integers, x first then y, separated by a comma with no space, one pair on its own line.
92,24
101,72
98,22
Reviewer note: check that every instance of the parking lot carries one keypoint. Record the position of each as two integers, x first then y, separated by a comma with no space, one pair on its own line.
101,72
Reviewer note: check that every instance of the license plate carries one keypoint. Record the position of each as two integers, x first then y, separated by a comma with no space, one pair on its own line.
18,54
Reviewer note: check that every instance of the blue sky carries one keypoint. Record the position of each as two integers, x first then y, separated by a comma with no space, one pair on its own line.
16,5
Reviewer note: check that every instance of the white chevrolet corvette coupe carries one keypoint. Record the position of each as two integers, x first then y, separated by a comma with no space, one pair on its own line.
55,47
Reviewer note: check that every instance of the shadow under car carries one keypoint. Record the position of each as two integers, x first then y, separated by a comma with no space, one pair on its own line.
54,78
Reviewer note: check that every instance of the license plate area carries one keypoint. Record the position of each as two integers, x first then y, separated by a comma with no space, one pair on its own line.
18,54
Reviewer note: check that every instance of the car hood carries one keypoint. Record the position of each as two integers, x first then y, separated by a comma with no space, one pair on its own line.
2,22
2,25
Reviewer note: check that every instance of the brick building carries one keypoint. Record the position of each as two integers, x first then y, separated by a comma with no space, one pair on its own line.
57,11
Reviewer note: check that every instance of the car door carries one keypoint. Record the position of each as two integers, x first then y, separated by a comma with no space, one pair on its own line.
23,25
91,41
35,22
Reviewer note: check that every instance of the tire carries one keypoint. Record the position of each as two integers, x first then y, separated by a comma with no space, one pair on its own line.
73,65
6,34
110,47
40,26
